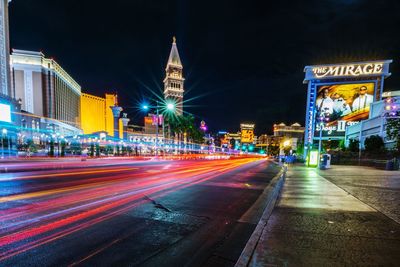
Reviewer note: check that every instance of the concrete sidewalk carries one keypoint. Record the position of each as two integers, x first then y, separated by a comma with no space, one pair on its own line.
317,223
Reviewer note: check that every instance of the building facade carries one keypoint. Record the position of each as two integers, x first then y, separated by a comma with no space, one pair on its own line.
290,131
374,125
9,107
5,87
45,88
289,135
93,113
174,81
96,114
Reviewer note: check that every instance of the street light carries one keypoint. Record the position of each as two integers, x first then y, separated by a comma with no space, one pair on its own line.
4,132
168,106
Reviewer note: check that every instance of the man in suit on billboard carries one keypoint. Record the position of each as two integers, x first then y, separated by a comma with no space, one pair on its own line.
363,100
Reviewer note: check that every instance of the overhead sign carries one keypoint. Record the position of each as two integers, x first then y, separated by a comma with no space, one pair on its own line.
247,126
376,68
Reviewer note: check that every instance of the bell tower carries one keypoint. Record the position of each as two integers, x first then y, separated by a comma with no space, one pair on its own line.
173,82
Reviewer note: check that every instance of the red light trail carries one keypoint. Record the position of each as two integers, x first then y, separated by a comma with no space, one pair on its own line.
78,199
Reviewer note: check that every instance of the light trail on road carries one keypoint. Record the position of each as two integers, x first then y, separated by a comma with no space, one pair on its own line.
57,204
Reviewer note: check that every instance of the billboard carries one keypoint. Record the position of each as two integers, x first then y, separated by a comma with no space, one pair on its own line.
341,105
247,136
5,113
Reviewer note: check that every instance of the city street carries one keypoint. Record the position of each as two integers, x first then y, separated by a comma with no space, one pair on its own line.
155,213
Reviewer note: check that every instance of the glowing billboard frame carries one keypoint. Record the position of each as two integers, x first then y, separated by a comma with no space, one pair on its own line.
313,82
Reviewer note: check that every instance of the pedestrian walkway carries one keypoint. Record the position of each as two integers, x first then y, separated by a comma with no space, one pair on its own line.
316,223
379,189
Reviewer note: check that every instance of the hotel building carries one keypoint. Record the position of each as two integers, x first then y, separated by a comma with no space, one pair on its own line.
46,91
96,114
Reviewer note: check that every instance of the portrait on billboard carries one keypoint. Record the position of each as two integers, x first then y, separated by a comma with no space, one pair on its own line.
341,105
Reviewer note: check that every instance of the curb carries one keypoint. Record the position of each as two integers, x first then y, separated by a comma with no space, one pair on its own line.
272,192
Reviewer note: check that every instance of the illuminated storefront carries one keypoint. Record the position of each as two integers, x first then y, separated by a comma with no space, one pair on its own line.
9,124
338,96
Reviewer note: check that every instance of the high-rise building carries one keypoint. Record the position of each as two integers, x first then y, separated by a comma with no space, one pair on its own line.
173,82
5,88
96,114
293,131
290,136
45,88
9,106
93,113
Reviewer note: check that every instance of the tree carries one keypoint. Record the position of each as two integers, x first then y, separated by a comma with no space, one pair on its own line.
97,150
76,147
273,149
63,145
92,149
393,130
287,149
342,146
331,144
186,124
374,144
300,148
51,152
354,145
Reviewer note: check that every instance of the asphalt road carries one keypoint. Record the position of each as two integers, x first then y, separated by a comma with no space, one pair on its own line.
150,213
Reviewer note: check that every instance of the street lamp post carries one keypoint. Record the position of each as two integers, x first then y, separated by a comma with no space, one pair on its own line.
157,122
4,132
169,107
323,117
320,142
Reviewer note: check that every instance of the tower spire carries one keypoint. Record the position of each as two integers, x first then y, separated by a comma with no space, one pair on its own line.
174,58
173,82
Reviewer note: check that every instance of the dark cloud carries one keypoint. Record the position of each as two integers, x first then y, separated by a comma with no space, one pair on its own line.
245,58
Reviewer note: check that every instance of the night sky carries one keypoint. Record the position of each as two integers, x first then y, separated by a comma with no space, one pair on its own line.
243,60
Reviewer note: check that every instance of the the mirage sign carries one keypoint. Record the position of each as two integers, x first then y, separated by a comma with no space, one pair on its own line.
376,68
348,70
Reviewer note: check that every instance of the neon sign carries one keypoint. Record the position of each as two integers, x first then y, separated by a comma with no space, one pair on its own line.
348,70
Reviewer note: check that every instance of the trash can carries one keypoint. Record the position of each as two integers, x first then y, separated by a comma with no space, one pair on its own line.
325,162
392,165
396,164
389,165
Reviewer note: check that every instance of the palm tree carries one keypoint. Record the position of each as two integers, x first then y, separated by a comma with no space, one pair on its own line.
184,128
